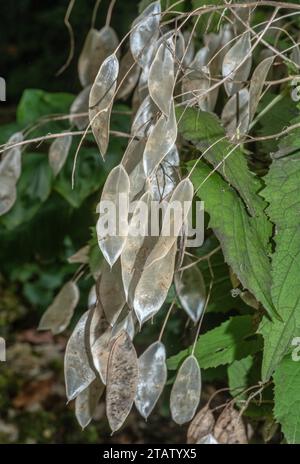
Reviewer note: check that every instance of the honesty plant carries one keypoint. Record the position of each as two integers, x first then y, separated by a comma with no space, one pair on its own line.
202,85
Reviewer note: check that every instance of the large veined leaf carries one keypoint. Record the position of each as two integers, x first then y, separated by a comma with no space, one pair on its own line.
205,131
233,339
287,398
59,314
185,394
238,234
152,378
78,372
122,377
112,225
101,100
282,192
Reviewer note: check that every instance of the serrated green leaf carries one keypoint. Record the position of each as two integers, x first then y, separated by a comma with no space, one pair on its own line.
238,373
283,194
232,340
287,398
205,131
237,232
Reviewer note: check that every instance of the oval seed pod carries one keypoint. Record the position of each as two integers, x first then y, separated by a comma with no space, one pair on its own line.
174,218
145,30
160,141
229,428
11,165
110,291
189,47
257,83
133,164
78,373
100,353
122,377
80,105
190,289
236,122
101,101
87,401
8,194
185,394
112,225
161,77
92,296
127,324
153,286
130,69
152,378
99,334
81,256
138,228
207,440
97,47
166,177
232,67
201,426
58,315
58,153
143,119
195,88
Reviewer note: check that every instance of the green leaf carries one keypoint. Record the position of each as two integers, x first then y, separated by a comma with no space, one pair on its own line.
283,194
221,299
207,22
205,131
36,103
89,178
238,373
33,189
237,232
275,121
287,398
232,340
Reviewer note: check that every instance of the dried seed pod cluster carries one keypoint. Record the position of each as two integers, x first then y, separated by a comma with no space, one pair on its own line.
162,71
